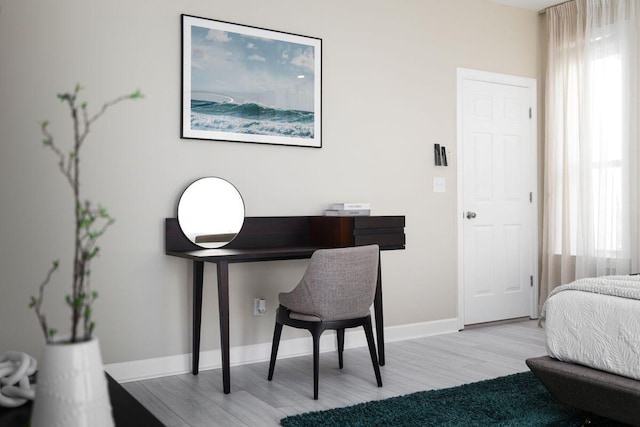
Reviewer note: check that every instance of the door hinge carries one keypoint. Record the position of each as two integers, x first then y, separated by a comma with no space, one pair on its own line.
531,197
530,113
531,280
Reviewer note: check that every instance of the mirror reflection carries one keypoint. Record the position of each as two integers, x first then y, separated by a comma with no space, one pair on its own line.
211,212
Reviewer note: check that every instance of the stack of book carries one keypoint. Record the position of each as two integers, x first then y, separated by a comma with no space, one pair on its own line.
349,209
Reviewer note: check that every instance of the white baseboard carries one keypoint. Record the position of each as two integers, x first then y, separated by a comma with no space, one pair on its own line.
180,364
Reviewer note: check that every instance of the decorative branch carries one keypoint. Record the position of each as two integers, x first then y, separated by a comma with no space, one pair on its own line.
90,223
36,304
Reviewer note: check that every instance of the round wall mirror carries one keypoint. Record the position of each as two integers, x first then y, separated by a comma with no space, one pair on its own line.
211,212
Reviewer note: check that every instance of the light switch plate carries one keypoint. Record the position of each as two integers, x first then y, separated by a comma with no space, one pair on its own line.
439,184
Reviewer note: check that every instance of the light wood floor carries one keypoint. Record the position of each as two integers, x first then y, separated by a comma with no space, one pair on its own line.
441,361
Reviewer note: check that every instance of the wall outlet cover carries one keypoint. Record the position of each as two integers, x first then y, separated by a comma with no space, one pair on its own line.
259,306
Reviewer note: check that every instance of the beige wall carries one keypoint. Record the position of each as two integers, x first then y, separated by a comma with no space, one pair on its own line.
389,75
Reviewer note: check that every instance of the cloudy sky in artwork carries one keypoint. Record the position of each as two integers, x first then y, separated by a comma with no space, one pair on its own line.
247,68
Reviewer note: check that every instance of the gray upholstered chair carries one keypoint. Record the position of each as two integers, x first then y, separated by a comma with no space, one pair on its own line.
336,292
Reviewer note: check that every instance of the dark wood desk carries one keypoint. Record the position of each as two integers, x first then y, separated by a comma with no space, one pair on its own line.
279,238
127,411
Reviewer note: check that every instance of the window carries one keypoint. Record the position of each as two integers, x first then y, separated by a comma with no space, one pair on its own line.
595,137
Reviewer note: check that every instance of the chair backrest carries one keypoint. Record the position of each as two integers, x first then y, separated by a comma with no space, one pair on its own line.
338,284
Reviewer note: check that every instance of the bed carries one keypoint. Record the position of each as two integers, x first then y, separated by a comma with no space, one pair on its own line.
592,328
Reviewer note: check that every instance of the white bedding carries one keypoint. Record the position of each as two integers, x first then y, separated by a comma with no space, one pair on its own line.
596,322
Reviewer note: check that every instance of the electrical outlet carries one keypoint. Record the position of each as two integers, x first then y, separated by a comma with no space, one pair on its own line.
259,306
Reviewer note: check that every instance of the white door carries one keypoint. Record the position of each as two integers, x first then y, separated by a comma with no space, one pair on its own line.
498,216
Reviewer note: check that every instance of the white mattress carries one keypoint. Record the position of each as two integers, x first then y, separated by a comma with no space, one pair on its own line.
599,331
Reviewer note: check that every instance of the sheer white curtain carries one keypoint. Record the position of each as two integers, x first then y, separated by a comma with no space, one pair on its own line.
590,221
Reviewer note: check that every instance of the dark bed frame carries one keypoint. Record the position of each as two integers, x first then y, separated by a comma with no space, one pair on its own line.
594,391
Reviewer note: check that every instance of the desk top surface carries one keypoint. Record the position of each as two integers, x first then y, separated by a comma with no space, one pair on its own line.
281,238
246,255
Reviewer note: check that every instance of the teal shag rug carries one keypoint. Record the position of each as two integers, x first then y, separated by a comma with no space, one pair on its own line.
518,400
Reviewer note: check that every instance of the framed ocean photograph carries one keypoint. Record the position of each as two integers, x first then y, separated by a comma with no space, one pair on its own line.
249,84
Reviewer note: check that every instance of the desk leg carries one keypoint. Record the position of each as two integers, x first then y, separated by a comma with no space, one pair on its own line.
377,307
198,272
223,308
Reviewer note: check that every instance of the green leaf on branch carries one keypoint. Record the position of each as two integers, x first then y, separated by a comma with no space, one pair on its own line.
68,300
93,253
136,95
32,302
94,295
52,332
87,223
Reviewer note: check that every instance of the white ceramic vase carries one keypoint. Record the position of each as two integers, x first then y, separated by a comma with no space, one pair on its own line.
71,387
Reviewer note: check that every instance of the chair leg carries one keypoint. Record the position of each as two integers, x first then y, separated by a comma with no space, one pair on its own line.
368,330
274,349
316,360
340,335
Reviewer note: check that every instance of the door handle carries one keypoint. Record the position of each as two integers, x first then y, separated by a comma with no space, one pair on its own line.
471,215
